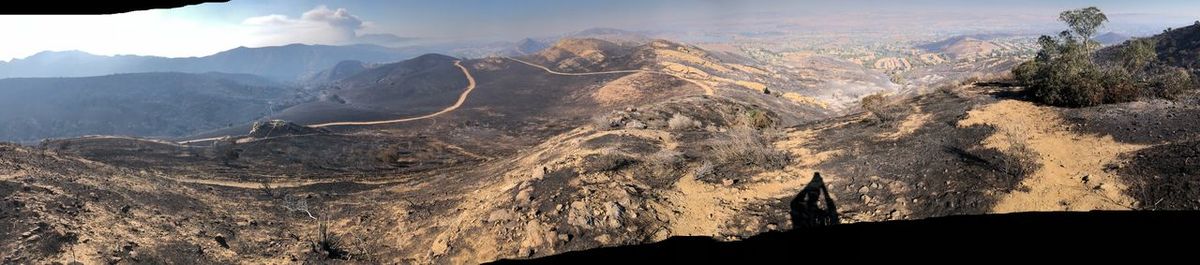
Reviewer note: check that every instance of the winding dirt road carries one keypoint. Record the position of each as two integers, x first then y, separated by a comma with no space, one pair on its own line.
461,98
708,90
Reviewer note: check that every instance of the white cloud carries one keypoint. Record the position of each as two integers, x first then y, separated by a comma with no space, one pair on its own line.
150,32
163,33
321,25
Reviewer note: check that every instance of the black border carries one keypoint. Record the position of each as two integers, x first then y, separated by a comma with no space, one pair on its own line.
85,7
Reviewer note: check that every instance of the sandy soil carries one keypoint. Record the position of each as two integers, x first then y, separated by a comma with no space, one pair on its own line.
1067,159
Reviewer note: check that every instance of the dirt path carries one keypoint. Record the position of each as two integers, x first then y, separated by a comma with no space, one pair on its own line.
278,184
461,99
708,90
1072,175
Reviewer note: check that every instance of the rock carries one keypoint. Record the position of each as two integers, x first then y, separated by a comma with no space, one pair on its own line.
635,125
866,199
578,215
728,182
772,227
864,190
614,212
221,241
603,239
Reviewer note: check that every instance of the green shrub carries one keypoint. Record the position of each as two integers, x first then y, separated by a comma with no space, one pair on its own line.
1168,82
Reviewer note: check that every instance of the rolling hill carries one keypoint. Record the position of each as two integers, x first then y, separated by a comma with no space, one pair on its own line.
961,47
143,104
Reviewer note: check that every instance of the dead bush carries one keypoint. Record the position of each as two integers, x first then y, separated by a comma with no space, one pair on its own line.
664,162
328,245
605,161
757,119
705,170
746,146
679,122
877,105
265,186
1020,161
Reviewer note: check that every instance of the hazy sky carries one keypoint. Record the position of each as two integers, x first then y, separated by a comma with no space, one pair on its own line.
205,29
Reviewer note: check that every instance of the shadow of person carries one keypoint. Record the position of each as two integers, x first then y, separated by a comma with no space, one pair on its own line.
807,209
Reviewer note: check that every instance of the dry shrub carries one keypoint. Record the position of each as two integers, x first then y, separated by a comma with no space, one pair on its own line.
877,105
665,161
679,122
605,161
705,170
1020,161
746,146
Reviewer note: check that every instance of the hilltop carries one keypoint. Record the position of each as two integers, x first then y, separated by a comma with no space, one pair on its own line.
961,47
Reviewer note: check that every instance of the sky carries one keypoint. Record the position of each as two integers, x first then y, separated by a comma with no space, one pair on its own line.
205,29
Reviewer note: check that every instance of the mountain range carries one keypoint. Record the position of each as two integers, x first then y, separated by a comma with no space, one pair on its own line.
283,63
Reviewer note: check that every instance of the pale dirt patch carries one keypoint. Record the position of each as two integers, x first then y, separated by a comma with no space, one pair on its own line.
801,99
690,58
914,121
749,69
756,86
1066,157
13,175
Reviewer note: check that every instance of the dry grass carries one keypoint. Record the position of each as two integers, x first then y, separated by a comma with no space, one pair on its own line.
1021,160
679,122
665,161
605,161
746,146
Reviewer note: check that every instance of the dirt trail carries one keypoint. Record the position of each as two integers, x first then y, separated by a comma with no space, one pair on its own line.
278,184
461,99
1067,159
708,90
